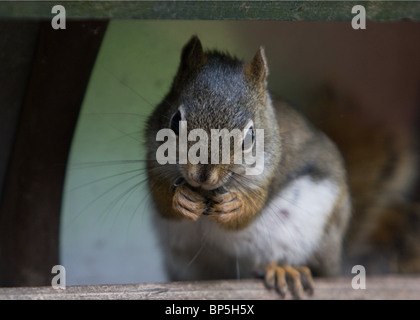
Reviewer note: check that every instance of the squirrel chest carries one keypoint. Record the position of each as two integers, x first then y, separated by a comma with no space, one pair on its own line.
288,230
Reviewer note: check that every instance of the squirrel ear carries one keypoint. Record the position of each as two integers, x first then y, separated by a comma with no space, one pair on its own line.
193,55
256,71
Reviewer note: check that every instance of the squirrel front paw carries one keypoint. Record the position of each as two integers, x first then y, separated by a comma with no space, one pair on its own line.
188,203
226,207
284,277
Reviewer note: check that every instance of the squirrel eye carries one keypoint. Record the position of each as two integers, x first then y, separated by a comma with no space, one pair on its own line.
249,139
175,122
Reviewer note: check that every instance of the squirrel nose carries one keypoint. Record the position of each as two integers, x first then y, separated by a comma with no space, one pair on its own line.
203,176
199,174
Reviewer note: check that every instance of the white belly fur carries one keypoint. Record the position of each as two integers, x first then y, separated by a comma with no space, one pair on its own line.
287,230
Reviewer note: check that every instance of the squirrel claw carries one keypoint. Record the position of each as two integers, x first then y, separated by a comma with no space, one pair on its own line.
283,278
226,208
226,203
188,203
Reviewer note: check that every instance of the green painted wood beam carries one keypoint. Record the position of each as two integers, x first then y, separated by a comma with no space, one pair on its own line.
215,10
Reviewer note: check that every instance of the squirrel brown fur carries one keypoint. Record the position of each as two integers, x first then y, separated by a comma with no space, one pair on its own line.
382,165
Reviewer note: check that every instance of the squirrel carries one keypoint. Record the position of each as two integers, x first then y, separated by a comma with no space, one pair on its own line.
382,166
214,221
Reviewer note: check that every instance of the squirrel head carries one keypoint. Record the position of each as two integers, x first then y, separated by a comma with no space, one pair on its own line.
215,91
194,59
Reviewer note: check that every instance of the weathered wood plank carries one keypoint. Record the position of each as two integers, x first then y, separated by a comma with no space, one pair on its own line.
215,10
386,287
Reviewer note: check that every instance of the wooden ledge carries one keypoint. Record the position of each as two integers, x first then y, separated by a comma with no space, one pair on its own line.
214,10
384,287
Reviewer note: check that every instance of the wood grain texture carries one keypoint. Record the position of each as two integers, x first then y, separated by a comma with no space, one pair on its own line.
216,10
377,288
